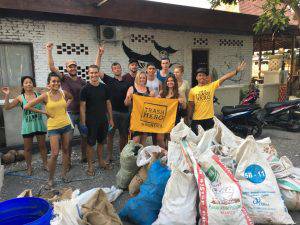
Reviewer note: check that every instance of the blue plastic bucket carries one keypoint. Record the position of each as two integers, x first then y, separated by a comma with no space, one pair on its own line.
28,210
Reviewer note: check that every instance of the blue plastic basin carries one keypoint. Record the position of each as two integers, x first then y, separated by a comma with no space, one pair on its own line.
28,210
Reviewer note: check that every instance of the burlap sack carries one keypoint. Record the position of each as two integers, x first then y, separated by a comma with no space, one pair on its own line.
99,211
137,180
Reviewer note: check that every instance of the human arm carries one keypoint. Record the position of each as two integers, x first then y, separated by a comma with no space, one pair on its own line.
9,105
109,111
82,112
49,47
128,98
191,105
99,56
182,101
39,99
160,87
232,73
68,97
191,108
152,93
187,90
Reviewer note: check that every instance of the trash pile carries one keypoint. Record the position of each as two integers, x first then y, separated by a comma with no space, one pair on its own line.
13,156
93,207
214,178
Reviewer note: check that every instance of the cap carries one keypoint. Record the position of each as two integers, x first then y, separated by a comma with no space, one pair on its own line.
71,62
201,70
133,61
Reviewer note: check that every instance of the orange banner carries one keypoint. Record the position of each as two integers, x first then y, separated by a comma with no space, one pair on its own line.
153,115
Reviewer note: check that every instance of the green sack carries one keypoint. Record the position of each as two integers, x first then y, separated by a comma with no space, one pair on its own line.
128,164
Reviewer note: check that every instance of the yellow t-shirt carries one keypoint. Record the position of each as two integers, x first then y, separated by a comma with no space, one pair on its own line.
203,98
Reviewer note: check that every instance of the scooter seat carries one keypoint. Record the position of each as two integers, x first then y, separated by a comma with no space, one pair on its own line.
226,110
271,105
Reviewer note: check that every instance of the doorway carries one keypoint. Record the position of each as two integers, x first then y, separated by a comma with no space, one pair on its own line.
199,60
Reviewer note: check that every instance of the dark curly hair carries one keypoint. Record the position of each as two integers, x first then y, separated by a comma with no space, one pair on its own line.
52,74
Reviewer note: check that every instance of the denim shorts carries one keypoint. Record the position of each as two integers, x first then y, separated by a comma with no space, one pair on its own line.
60,131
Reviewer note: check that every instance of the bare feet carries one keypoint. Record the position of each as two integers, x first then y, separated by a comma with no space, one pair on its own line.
104,165
49,185
46,168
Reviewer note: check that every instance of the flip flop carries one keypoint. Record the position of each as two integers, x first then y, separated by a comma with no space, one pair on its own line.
90,173
106,167
108,162
66,179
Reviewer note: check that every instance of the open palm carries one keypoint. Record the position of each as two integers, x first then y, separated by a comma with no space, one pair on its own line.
5,90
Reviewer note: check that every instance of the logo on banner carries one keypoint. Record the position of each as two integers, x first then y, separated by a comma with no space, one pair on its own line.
153,115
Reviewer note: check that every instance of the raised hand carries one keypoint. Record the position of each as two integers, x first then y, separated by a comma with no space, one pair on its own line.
101,50
5,90
49,46
241,66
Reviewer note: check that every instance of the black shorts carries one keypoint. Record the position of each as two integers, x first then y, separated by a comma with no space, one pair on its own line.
205,124
96,132
121,122
31,135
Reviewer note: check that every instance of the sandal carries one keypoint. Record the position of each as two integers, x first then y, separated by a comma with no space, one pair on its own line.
105,166
66,179
90,172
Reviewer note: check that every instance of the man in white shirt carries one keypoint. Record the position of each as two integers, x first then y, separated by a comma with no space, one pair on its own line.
152,82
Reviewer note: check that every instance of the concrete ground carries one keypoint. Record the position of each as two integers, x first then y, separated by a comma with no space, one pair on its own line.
286,143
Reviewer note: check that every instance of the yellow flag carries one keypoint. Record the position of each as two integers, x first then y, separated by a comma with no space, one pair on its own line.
153,115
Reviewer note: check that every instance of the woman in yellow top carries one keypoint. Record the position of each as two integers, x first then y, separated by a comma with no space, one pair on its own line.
58,123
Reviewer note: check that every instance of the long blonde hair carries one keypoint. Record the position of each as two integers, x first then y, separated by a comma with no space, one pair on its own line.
138,77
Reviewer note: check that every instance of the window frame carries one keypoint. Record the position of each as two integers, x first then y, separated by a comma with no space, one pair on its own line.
30,44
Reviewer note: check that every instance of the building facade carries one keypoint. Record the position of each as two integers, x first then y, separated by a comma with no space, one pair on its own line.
23,39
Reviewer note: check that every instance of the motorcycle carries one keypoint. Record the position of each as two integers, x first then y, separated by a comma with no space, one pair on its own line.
252,96
281,114
241,119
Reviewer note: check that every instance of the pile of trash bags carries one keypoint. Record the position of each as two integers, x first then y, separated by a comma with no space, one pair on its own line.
214,177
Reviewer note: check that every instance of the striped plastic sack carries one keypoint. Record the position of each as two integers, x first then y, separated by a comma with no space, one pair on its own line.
219,192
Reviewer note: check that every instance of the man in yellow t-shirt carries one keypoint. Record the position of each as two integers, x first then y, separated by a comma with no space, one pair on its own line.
201,105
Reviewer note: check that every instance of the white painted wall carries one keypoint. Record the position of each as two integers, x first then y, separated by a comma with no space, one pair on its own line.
40,32
221,57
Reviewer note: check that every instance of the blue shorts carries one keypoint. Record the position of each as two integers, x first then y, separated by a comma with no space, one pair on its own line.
60,131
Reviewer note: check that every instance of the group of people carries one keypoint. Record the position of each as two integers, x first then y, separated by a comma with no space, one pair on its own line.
102,105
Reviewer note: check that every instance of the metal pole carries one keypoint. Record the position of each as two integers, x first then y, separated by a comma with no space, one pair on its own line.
259,57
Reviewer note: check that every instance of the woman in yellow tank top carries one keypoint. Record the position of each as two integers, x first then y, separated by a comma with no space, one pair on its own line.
58,123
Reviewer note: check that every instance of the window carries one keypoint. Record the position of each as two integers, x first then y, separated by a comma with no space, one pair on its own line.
15,61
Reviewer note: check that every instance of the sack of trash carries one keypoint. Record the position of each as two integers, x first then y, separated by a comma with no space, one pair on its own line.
288,180
141,176
181,130
219,191
143,209
260,191
128,165
176,157
1,174
146,154
224,136
99,211
179,201
137,181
